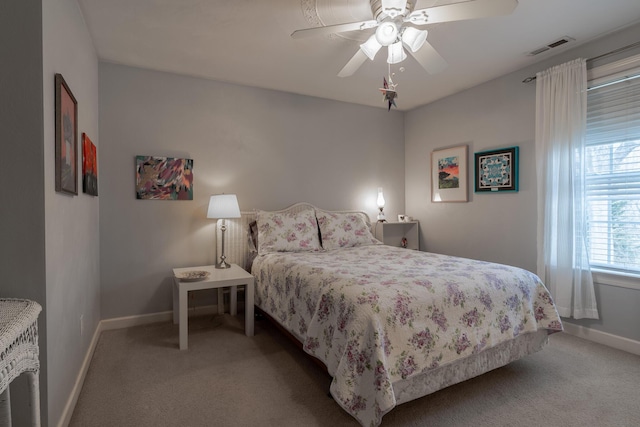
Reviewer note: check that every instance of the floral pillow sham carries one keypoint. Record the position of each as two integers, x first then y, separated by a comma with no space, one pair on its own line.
344,230
287,232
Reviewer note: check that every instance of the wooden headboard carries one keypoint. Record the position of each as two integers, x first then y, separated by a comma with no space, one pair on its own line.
237,237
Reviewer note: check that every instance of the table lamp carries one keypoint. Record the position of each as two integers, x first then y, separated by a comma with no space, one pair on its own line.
223,206
380,202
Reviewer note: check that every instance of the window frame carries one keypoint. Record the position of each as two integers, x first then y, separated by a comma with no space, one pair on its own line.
597,77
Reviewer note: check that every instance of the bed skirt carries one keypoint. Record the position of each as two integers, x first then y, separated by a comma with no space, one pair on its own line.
462,370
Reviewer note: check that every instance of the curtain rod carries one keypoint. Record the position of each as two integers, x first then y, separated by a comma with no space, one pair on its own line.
595,58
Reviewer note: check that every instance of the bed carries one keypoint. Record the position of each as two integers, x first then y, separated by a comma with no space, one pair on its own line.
389,324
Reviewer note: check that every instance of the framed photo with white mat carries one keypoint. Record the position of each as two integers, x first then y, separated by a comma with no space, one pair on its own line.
449,172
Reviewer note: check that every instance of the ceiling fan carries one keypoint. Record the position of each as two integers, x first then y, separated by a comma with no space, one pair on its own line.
397,24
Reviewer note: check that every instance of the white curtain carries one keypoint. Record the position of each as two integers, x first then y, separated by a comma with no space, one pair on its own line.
561,114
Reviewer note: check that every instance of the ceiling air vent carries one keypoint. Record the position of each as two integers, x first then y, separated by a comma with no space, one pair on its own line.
564,40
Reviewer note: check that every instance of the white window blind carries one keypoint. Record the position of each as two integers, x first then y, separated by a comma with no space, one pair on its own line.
612,175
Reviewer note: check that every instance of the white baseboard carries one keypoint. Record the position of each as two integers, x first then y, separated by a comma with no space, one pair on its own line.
129,321
605,338
119,323
75,392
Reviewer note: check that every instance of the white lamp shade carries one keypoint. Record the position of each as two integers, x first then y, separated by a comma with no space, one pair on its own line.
387,33
371,47
380,201
413,38
222,206
396,53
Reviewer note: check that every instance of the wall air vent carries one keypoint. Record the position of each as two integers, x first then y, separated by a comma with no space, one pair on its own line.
562,41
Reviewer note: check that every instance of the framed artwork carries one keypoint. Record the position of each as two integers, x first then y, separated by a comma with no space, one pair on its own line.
89,166
66,138
496,170
449,175
164,178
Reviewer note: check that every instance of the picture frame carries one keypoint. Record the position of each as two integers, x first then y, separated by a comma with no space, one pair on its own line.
89,166
164,178
496,170
66,128
449,175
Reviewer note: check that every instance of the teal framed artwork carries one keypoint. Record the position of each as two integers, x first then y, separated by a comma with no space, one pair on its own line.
496,170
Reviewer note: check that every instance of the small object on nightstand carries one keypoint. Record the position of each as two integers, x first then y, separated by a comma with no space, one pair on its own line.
192,276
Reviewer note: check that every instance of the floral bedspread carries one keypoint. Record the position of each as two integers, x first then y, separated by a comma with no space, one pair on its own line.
377,314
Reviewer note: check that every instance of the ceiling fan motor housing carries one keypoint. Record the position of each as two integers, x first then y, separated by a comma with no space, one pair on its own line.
378,12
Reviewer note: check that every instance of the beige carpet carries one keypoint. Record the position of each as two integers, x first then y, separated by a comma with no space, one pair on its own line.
138,377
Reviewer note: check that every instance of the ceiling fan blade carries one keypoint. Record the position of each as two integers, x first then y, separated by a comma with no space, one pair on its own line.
354,63
429,58
331,29
461,11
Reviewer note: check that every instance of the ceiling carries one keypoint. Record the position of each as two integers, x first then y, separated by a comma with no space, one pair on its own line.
248,42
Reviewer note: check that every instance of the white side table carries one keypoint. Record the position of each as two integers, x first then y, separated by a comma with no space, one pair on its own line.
19,353
218,279
392,233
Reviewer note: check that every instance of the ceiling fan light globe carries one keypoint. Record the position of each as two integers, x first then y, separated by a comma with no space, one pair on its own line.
387,33
371,47
413,38
396,53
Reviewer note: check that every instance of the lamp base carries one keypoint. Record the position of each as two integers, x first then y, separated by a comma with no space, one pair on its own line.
223,264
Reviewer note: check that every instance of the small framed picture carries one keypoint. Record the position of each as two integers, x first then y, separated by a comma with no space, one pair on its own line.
164,178
66,138
496,170
89,167
449,175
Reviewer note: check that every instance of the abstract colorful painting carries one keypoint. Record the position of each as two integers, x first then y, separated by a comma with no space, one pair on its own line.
164,178
89,167
449,174
496,170
66,138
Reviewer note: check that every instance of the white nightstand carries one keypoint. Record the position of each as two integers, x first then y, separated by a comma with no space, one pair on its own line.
391,233
218,279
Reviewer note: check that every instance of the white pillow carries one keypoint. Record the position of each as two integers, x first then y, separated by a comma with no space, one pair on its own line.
287,232
344,230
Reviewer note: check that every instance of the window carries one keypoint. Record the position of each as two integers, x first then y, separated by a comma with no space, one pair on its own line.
612,172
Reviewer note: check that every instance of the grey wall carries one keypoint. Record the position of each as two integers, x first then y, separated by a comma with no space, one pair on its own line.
492,227
270,148
22,245
499,227
72,222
